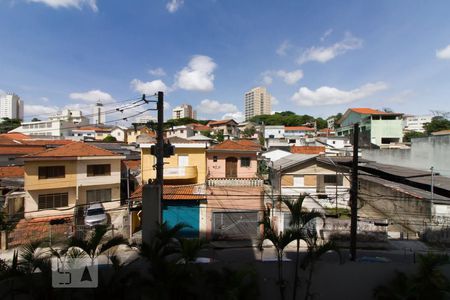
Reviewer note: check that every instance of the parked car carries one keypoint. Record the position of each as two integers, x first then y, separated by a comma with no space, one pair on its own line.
95,215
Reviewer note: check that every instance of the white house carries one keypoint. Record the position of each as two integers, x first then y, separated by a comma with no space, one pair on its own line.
120,133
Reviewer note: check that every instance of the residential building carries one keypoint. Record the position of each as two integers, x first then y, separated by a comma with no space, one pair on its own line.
183,111
182,131
275,154
234,191
186,166
11,106
416,123
257,102
274,132
57,126
308,149
98,114
227,127
199,128
120,133
199,138
292,132
90,133
377,128
76,174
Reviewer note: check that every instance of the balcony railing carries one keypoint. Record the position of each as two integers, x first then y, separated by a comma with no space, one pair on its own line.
187,172
235,182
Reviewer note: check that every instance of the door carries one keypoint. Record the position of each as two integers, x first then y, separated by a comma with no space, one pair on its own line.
231,167
183,160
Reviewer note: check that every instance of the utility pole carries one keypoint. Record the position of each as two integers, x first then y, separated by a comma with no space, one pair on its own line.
354,194
432,183
160,149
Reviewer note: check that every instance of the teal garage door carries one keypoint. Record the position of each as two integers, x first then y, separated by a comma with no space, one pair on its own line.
186,212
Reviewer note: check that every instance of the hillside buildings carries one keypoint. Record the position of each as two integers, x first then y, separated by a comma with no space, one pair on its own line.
416,123
257,101
11,107
184,111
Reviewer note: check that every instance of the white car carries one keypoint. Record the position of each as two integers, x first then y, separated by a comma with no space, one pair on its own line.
95,215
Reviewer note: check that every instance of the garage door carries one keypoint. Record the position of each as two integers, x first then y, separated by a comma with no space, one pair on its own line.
235,225
187,213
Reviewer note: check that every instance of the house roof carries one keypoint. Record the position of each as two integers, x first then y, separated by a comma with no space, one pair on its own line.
199,127
19,150
92,128
132,164
441,132
308,149
292,160
15,136
365,111
199,137
179,140
237,145
221,122
298,128
75,149
11,172
177,192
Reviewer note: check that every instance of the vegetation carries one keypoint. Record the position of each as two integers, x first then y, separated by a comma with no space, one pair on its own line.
219,136
9,124
109,139
412,135
184,121
438,123
429,282
289,118
248,132
35,119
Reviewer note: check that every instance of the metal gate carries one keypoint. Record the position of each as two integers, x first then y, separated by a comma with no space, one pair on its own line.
242,225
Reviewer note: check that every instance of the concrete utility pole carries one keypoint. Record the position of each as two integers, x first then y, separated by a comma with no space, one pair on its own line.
354,193
160,148
432,183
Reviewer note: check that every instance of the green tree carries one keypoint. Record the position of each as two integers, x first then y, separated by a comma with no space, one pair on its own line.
411,135
35,119
109,139
220,137
438,123
9,124
249,132
206,133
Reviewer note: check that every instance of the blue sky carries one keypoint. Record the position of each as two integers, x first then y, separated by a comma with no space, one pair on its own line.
315,57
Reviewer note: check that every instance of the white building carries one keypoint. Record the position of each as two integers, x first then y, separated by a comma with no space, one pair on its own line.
98,115
274,132
11,107
120,133
182,131
416,123
184,111
257,102
59,125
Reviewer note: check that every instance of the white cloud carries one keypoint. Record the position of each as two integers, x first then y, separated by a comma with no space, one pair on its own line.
275,101
150,87
36,109
213,107
44,99
92,4
92,96
282,49
443,53
324,54
326,34
238,116
198,75
329,95
290,77
157,72
173,5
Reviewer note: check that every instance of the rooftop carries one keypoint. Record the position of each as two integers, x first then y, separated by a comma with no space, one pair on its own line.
298,128
308,149
11,172
237,145
177,192
74,149
292,160
221,122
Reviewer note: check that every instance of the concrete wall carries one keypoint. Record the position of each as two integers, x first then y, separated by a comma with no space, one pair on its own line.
424,153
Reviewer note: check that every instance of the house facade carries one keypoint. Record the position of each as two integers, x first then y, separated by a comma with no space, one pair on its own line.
75,174
229,128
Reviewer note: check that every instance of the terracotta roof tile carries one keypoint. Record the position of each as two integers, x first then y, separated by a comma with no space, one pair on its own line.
307,149
370,111
11,172
220,122
19,150
237,145
92,128
75,149
177,192
298,128
15,136
132,164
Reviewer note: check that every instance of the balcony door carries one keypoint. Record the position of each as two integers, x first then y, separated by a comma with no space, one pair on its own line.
231,167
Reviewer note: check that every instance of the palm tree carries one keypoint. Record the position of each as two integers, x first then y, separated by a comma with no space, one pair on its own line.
280,239
300,218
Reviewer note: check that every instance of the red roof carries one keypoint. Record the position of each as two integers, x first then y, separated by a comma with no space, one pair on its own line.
307,149
369,111
11,172
75,149
298,128
176,192
132,164
15,136
237,145
221,122
45,142
199,127
19,150
92,128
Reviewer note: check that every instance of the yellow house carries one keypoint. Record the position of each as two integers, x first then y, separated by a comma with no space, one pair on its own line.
58,180
187,166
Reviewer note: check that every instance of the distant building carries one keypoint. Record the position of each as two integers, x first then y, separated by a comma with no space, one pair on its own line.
416,123
257,102
227,127
184,111
98,116
377,127
182,131
11,107
59,125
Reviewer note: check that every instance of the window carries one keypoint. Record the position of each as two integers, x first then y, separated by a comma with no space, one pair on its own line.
291,141
245,162
103,195
51,172
47,201
215,158
98,170
271,136
333,180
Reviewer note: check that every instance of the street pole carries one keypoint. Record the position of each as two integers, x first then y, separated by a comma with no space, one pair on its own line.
354,194
432,183
160,149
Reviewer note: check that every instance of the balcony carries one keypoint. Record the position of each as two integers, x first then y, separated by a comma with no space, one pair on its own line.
183,173
235,182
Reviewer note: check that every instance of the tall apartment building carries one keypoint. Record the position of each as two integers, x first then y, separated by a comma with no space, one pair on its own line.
416,123
257,102
11,107
183,111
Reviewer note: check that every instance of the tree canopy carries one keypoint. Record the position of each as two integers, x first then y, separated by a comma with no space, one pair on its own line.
109,139
438,123
9,124
289,118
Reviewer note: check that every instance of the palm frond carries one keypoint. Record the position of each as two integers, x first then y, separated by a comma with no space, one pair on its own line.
113,242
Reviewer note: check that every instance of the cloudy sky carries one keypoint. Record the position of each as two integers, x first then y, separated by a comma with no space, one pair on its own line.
315,57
